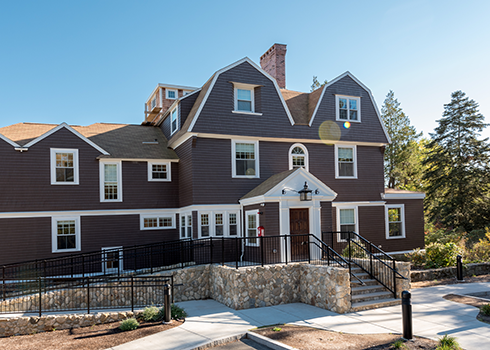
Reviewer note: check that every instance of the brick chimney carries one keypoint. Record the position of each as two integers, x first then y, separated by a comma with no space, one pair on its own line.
274,63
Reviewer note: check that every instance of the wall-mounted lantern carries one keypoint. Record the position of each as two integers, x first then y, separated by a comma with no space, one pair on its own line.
305,194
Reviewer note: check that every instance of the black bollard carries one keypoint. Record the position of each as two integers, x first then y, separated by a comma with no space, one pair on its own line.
166,303
407,314
459,267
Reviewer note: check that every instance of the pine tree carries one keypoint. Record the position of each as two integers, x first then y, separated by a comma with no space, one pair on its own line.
402,156
458,167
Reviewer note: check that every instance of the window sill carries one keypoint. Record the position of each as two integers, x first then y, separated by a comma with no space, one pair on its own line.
245,112
64,183
398,237
245,177
160,180
157,228
347,120
65,251
346,177
111,201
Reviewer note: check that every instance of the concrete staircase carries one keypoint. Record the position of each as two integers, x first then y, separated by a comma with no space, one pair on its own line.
371,295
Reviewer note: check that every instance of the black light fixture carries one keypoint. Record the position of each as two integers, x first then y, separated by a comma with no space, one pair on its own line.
305,193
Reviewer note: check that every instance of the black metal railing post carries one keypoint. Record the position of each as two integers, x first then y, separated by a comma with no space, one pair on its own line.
261,242
72,267
40,297
394,278
181,254
3,282
132,294
83,266
350,254
134,260
44,268
222,251
309,255
286,248
151,260
88,295
371,258
211,248
237,253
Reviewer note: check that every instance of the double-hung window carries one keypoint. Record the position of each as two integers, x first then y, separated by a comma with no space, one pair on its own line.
395,221
251,224
110,181
159,171
186,226
174,120
348,108
64,166
347,222
346,162
217,224
245,157
65,234
244,99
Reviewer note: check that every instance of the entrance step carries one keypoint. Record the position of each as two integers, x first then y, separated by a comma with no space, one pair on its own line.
367,289
374,304
358,298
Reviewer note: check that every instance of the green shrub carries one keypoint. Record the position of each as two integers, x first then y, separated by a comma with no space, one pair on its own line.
151,313
485,309
441,255
417,257
177,312
129,324
480,252
448,343
399,344
356,250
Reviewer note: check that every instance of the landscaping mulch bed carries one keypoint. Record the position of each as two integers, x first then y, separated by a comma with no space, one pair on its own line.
472,279
306,338
96,337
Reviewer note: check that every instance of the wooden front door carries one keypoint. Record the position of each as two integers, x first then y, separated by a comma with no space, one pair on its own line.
299,228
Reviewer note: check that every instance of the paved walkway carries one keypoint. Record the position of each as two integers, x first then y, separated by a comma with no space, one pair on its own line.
433,317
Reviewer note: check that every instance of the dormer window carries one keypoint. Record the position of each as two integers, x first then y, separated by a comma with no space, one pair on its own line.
171,94
153,102
174,120
244,96
348,108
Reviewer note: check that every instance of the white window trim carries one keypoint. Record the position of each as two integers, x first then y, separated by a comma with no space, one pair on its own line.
120,258
226,223
185,216
53,152
54,233
150,171
158,217
337,114
243,86
356,218
354,155
257,218
387,220
307,157
102,180
177,120
233,159
171,98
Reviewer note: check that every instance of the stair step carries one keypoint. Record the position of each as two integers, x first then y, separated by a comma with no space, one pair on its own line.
362,275
367,289
374,304
371,296
368,282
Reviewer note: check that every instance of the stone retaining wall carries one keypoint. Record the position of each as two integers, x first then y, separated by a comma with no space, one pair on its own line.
449,272
34,324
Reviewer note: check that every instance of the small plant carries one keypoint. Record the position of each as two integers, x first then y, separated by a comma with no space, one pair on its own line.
177,312
357,250
151,313
441,255
129,324
276,329
485,309
448,343
399,344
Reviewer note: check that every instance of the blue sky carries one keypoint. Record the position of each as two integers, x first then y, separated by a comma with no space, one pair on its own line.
98,61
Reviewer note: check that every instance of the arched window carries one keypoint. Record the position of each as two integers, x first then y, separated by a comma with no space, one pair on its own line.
298,157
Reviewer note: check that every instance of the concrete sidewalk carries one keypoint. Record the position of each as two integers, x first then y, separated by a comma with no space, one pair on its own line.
433,317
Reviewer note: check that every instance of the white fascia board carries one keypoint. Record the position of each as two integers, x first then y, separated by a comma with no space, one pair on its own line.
349,74
10,142
34,214
178,87
209,207
64,125
402,195
222,70
174,144
360,204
